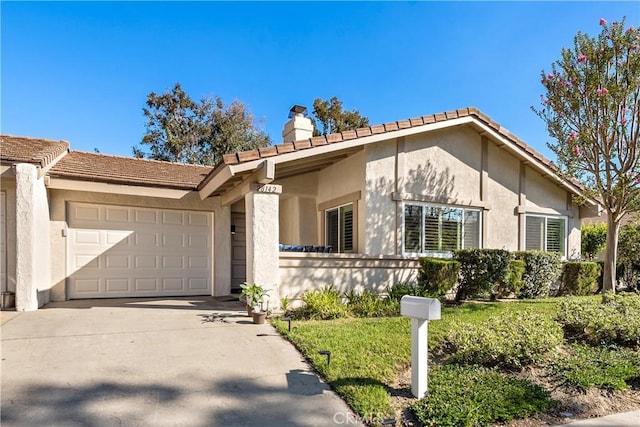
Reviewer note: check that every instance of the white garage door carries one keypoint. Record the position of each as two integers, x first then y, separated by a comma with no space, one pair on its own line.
121,251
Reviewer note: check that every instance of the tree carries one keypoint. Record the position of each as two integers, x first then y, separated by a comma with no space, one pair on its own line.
182,130
592,109
332,118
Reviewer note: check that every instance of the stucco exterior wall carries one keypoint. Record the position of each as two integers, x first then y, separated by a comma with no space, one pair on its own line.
221,238
380,209
298,210
8,185
444,164
340,179
301,272
33,263
543,193
501,219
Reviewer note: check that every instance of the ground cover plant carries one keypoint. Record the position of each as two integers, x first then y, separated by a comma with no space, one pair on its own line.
481,383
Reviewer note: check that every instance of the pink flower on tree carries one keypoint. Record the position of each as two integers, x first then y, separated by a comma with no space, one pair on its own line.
573,135
576,151
549,76
582,58
603,21
602,91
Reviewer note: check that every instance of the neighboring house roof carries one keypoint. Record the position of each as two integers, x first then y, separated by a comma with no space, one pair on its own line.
128,171
37,151
238,166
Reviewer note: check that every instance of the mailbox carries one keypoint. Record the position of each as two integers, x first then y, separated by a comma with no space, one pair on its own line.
420,308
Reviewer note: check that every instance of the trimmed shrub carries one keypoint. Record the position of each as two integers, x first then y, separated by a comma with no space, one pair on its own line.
579,278
480,270
508,341
600,367
541,271
512,283
593,239
371,304
397,291
322,304
614,322
465,396
437,276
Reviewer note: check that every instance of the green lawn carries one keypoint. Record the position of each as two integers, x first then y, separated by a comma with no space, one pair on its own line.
369,354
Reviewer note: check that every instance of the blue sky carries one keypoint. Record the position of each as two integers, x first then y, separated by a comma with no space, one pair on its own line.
82,71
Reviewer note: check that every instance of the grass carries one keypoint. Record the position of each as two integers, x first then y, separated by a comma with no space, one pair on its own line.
368,356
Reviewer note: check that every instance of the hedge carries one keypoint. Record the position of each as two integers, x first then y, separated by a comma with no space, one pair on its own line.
480,270
579,278
542,270
437,276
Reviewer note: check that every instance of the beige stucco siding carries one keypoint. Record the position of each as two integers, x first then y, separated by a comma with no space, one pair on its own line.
298,210
444,164
501,226
380,223
8,185
58,203
543,193
338,180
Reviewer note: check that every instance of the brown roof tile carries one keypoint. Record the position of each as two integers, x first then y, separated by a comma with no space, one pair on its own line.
334,137
349,134
38,151
302,144
363,132
246,156
129,171
376,129
404,124
285,147
390,127
268,151
416,121
230,159
318,140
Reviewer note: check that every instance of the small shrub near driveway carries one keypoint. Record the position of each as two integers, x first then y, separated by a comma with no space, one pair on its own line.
437,276
541,271
371,304
323,304
472,396
579,278
480,270
601,367
508,341
614,322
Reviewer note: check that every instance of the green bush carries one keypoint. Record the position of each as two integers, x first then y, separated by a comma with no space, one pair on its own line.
629,254
371,304
322,304
600,367
465,396
512,282
541,271
614,322
593,239
480,270
508,341
397,291
579,278
437,276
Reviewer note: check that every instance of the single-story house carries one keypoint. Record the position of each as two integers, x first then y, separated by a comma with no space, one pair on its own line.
353,209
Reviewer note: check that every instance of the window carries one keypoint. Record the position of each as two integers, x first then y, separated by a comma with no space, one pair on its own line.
546,233
339,228
440,229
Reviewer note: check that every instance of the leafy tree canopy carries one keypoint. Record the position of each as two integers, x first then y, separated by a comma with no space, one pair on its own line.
592,110
181,130
331,118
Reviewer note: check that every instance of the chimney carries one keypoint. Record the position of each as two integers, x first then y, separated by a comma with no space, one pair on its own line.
299,125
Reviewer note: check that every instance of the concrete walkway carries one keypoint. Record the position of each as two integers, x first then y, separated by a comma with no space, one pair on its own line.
155,362
630,419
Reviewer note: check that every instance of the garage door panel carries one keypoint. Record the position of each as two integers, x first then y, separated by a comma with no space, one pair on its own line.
121,251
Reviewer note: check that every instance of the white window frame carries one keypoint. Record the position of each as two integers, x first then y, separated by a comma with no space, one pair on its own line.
353,236
439,254
546,218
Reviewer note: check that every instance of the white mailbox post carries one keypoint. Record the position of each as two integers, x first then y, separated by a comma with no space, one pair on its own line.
420,310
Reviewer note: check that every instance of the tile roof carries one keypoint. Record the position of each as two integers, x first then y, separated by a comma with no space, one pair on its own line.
129,171
287,147
38,151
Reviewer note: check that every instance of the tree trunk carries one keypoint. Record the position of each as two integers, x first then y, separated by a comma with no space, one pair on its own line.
610,254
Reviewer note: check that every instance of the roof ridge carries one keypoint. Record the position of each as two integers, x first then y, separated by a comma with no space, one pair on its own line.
33,138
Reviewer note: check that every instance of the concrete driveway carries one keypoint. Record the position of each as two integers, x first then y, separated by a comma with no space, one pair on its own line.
156,362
